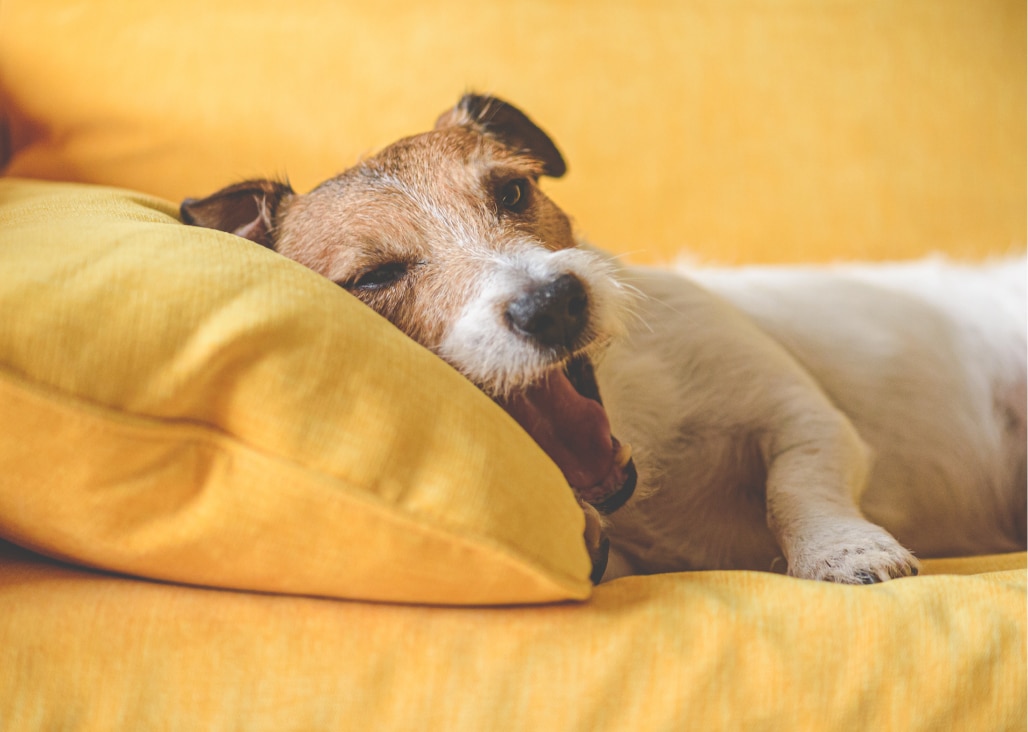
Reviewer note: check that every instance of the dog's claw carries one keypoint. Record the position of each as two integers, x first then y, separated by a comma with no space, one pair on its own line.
599,556
596,543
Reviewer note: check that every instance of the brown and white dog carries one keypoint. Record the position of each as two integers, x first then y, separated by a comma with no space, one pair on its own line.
827,421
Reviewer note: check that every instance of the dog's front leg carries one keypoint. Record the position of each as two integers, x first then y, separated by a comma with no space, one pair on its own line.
817,467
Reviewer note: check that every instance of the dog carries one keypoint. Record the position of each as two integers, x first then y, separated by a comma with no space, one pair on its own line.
830,422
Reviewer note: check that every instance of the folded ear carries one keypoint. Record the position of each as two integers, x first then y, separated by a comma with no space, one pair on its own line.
245,209
509,125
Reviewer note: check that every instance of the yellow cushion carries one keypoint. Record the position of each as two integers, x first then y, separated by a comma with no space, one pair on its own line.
793,130
184,405
702,651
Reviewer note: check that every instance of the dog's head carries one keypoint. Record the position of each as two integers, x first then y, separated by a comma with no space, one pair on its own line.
448,235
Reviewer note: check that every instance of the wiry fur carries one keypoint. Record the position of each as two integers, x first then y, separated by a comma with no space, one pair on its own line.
823,420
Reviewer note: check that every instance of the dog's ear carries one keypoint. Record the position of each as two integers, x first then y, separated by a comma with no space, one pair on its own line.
509,125
245,209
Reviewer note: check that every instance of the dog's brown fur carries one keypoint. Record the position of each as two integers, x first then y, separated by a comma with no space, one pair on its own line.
459,171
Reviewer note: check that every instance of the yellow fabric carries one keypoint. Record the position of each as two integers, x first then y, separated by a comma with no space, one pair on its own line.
974,565
745,131
703,651
182,404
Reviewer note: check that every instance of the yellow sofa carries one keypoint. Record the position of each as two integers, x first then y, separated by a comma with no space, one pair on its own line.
231,497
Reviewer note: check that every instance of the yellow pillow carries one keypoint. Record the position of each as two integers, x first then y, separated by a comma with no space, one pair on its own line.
184,405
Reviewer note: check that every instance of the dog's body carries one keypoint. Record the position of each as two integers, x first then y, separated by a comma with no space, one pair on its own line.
735,376
771,410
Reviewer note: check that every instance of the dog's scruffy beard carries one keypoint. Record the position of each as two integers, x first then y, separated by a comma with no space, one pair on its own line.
551,391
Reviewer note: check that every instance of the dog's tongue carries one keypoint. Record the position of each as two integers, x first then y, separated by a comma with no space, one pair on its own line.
572,429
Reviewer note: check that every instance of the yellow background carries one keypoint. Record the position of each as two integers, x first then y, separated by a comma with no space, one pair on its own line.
765,131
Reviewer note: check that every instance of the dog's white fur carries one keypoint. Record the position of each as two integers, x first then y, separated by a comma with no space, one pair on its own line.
898,389
479,342
773,409
828,421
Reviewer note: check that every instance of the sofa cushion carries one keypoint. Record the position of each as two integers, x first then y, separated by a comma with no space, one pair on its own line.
685,651
793,130
181,404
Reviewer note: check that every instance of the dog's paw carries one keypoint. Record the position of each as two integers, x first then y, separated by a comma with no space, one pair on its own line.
858,553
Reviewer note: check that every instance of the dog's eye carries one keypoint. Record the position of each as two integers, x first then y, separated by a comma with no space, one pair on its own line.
379,277
514,195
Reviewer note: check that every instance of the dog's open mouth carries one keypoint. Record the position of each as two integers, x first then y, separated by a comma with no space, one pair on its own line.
564,415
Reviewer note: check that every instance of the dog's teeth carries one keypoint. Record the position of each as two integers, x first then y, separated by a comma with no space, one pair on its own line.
623,455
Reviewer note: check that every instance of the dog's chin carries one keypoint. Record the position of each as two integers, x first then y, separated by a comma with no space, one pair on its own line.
564,414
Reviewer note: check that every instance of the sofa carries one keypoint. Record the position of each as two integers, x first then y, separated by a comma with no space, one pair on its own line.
234,498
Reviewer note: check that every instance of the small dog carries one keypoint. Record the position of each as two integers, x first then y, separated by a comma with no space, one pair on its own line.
830,422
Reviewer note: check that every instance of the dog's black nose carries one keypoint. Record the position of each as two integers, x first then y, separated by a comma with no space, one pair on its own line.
554,314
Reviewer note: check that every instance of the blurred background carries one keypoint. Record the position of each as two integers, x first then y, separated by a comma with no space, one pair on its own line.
744,131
